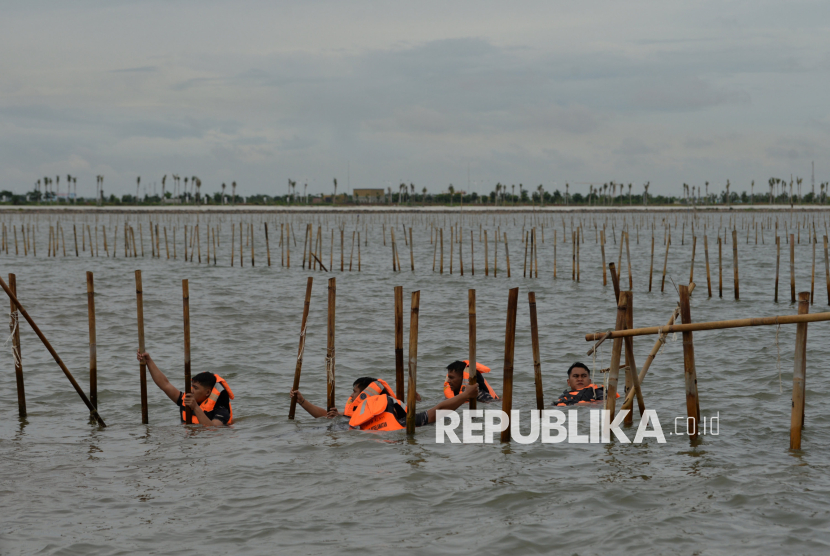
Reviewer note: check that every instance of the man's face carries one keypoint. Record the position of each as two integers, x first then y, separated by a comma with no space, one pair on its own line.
579,378
199,391
356,391
455,379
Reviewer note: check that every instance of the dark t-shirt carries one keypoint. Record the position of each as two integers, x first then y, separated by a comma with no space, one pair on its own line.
221,410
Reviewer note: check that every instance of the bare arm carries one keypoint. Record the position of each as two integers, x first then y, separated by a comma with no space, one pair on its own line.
455,402
313,410
199,413
158,377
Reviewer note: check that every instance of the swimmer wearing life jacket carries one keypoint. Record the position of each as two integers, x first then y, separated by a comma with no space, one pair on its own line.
580,389
208,405
458,378
373,406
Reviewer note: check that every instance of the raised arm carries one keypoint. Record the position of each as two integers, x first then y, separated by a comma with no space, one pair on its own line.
158,377
313,410
454,403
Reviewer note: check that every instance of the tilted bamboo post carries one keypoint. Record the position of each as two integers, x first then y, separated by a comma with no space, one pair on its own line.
507,256
52,352
413,362
14,326
473,369
186,305
399,378
300,350
690,373
616,354
139,301
93,346
799,374
537,360
509,348
330,401
628,259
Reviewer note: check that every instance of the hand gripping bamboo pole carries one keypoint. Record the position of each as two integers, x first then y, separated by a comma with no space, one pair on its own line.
799,374
473,369
690,372
52,352
186,305
413,362
93,346
14,325
330,402
139,301
616,353
537,360
509,348
298,368
399,378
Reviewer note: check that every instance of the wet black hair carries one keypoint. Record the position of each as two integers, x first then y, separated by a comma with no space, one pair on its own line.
363,382
208,380
457,367
577,364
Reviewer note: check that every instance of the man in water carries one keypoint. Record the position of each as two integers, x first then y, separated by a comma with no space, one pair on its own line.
373,406
580,389
458,378
208,405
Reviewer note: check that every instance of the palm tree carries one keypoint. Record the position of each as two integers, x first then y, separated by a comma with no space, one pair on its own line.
184,192
335,190
521,189
163,179
137,182
752,193
645,194
451,189
401,191
198,189
707,192
412,192
629,194
233,185
305,196
541,191
798,181
424,197
498,192
513,196
728,200
223,192
567,188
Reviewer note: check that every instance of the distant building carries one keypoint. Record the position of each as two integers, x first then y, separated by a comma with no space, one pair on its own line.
369,195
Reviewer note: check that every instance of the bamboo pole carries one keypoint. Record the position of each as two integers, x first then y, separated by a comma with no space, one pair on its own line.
52,352
712,325
300,350
720,266
452,241
507,255
813,272
708,275
413,363
735,263
93,345
441,266
616,353
827,269
74,231
330,402
186,305
341,249
799,374
399,378
665,264
527,244
472,366
241,261
509,348
14,326
411,253
628,259
692,268
486,256
537,360
651,266
792,268
690,372
434,251
139,301
631,367
351,253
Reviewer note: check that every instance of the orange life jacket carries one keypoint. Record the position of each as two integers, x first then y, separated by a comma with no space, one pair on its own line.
589,394
448,393
210,401
375,408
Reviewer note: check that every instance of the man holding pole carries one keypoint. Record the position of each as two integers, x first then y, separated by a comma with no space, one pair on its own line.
458,379
209,406
373,406
580,389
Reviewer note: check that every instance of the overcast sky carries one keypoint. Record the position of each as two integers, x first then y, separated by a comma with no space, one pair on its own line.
375,93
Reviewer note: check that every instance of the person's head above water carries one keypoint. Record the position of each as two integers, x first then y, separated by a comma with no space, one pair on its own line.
455,375
578,376
202,384
360,385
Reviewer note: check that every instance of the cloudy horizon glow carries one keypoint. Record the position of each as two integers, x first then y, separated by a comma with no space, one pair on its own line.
376,94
